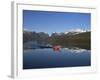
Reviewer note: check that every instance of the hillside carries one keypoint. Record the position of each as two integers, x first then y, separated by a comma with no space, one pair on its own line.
71,39
81,40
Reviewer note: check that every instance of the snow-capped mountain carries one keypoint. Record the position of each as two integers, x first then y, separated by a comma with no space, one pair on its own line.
71,32
27,30
74,32
78,30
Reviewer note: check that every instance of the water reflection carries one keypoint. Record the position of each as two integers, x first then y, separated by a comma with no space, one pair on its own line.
56,57
76,50
57,48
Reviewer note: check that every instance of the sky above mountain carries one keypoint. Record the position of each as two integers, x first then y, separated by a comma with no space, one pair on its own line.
49,22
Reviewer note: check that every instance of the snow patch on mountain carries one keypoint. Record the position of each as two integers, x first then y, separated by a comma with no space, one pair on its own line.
78,30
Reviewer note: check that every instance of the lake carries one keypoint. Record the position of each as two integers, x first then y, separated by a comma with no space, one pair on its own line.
48,58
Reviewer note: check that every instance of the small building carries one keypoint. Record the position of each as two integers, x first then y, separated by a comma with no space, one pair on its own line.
57,48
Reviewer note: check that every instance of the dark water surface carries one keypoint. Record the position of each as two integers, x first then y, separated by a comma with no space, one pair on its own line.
47,58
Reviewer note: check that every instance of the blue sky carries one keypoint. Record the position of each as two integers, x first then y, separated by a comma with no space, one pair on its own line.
45,21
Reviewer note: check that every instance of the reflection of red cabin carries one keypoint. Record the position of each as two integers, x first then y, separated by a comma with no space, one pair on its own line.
57,48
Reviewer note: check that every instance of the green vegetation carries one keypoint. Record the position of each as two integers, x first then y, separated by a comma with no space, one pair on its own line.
81,40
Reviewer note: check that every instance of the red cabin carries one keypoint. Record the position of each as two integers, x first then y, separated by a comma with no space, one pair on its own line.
57,48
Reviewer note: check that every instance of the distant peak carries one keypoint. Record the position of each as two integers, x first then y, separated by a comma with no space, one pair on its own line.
78,30
27,30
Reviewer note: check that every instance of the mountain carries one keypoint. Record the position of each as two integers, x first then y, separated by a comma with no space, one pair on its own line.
69,33
75,31
81,40
38,37
77,38
72,33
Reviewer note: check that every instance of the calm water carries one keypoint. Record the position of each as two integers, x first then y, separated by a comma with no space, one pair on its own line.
47,58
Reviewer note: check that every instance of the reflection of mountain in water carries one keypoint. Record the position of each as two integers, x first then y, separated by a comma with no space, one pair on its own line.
48,58
76,50
35,45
